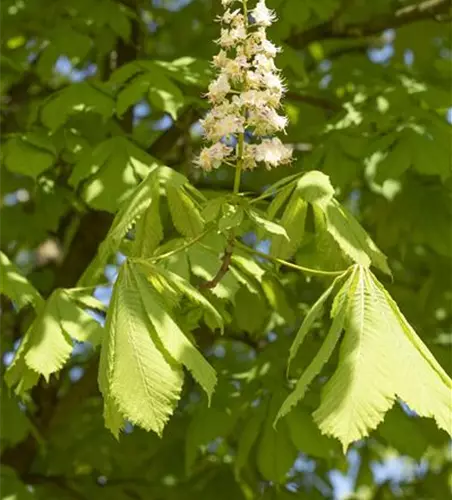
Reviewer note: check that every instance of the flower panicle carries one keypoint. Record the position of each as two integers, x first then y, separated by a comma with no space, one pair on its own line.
246,94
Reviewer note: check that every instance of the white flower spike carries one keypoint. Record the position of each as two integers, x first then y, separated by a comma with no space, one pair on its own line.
246,94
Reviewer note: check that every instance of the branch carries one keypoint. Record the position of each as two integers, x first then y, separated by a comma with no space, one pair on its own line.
224,266
331,29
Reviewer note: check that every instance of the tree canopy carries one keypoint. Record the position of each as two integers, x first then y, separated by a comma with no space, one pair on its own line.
226,279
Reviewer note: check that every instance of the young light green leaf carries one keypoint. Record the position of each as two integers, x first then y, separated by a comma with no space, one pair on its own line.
173,339
293,220
193,294
420,380
111,171
185,214
212,208
279,200
232,217
370,375
149,229
324,352
315,187
269,226
360,392
48,344
135,371
19,375
308,321
126,216
15,286
352,238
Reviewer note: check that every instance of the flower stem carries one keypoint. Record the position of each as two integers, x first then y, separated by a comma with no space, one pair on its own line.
239,165
318,272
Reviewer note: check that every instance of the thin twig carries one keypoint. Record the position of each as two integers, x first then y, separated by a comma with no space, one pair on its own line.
226,262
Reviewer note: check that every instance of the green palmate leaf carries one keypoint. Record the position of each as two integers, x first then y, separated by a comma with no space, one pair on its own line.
131,94
149,229
338,314
12,486
421,383
293,221
268,226
248,437
248,264
276,451
232,217
381,358
76,98
403,433
110,172
207,424
279,200
171,336
14,423
246,301
30,154
138,379
352,238
48,343
15,286
308,321
164,95
193,294
306,435
212,209
184,212
161,91
129,212
315,187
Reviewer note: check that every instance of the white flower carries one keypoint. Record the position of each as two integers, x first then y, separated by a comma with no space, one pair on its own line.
249,156
254,98
273,97
262,15
219,88
223,127
273,82
220,59
264,64
266,120
273,152
235,68
232,17
213,157
229,38
253,80
269,48
246,93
